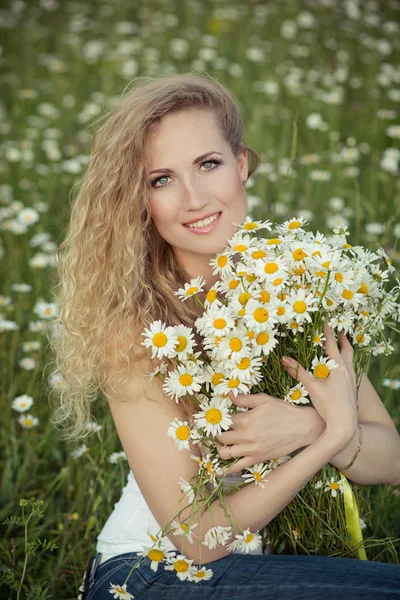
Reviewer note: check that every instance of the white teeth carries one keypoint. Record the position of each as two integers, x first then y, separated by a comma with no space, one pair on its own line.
204,222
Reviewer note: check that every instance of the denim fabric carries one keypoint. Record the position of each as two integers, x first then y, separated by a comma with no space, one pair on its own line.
240,576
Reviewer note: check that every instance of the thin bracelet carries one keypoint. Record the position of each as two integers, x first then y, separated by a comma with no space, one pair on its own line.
360,441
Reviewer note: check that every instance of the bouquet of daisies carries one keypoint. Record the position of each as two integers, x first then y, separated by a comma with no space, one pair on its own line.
273,295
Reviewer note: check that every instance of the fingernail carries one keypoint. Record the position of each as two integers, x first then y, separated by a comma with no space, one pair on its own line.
289,362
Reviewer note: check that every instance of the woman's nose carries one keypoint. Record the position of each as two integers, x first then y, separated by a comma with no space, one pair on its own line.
195,195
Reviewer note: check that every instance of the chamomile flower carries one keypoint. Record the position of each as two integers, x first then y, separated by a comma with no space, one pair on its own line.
186,379
187,489
297,395
302,304
28,421
221,263
212,295
198,574
264,341
245,542
22,403
241,242
183,530
334,486
191,289
275,462
214,416
319,484
282,309
234,345
180,432
160,369
217,535
161,339
157,553
259,316
256,473
250,225
218,321
247,369
185,343
322,366
181,565
120,592
232,384
272,270
291,226
317,339
210,467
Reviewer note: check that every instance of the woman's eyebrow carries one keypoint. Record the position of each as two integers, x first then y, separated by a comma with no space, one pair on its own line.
195,162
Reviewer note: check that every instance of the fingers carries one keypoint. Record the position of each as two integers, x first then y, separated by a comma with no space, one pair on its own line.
297,371
234,451
248,400
243,463
331,346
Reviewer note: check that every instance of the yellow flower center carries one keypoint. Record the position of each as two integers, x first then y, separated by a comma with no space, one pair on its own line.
295,395
257,475
294,225
211,295
262,338
156,555
360,338
181,566
233,284
240,248
339,277
244,298
182,432
28,422
277,281
300,306
365,313
184,526
347,294
329,302
347,246
326,264
363,289
271,268
264,297
200,574
321,371
235,344
222,261
213,415
249,226
334,486
320,273
191,291
181,344
259,254
261,315
219,323
250,278
186,379
273,241
244,363
299,254
217,378
160,339
232,383
293,325
317,339
280,310
299,271
248,538
316,253
241,312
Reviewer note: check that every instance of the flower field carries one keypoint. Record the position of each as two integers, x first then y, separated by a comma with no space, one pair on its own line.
318,84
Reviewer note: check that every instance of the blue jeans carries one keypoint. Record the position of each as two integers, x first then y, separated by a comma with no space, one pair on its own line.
245,577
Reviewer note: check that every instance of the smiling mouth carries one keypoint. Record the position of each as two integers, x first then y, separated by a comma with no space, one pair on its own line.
202,222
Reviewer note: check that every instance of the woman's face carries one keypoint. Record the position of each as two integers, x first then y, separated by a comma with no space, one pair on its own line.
189,187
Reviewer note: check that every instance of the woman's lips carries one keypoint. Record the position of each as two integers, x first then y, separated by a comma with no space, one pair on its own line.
207,228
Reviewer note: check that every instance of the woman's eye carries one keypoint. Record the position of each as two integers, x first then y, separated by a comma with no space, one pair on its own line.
159,179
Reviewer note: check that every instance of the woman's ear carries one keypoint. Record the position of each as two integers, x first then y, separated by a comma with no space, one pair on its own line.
243,166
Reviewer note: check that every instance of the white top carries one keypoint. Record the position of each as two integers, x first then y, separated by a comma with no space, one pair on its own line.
126,528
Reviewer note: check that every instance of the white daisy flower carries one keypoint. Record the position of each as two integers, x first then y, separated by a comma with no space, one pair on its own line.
273,270
161,369
161,339
234,345
250,225
221,264
393,384
317,339
241,242
181,565
363,524
259,316
210,467
293,225
264,341
191,289
157,553
294,326
245,542
322,366
180,433
119,591
302,303
318,485
115,457
93,427
212,295
183,530
22,403
297,395
217,535
187,489
200,574
232,384
334,486
275,462
28,421
218,321
186,379
185,343
247,369
214,416
282,309
257,473
296,533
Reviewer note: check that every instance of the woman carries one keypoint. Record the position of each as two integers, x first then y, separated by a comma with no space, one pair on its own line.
161,195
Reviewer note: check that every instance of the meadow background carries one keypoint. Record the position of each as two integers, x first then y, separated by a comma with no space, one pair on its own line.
318,83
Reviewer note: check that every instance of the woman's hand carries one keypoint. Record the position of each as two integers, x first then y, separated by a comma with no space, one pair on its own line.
334,398
272,428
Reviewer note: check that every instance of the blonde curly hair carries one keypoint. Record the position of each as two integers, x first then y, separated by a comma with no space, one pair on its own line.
115,274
